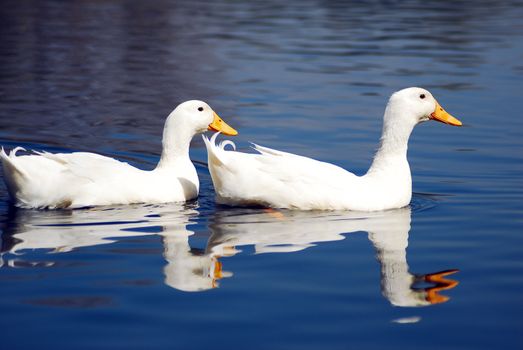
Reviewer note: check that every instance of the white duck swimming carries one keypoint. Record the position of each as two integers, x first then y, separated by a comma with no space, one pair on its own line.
75,180
283,180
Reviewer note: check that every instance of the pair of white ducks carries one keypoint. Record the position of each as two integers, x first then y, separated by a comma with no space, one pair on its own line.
270,178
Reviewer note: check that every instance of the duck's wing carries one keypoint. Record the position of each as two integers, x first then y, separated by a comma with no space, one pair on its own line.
89,166
290,167
275,178
51,180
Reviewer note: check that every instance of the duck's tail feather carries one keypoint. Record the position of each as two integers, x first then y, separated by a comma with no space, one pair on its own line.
215,151
9,162
212,150
14,176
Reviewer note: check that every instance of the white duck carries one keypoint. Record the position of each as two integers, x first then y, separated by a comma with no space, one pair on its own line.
75,180
283,180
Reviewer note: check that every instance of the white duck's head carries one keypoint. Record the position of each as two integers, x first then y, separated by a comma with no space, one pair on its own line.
197,117
407,108
415,105
185,121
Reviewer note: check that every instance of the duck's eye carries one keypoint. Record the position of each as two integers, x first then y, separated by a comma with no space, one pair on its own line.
200,109
422,96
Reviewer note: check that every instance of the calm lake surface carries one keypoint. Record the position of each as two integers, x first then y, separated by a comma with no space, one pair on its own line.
308,77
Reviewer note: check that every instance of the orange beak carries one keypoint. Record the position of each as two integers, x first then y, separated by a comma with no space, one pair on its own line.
219,125
442,116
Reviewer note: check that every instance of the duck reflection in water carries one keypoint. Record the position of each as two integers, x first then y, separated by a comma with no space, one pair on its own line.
269,231
288,231
187,269
62,231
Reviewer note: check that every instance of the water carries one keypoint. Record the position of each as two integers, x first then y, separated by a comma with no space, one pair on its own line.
309,77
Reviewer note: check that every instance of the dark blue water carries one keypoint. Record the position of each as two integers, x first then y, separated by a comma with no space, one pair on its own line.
309,77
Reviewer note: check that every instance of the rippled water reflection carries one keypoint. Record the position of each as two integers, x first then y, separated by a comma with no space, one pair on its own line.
190,268
310,77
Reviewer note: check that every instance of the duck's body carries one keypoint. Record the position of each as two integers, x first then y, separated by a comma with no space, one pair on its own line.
75,180
81,179
283,180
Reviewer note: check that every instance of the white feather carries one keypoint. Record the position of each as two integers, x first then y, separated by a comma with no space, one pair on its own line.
283,180
47,180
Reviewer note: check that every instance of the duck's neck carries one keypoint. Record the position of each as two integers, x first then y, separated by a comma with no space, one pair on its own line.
392,152
175,144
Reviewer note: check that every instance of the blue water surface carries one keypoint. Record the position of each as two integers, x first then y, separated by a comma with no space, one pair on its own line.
310,77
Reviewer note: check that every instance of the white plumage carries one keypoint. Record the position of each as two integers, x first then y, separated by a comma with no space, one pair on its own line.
80,179
282,180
